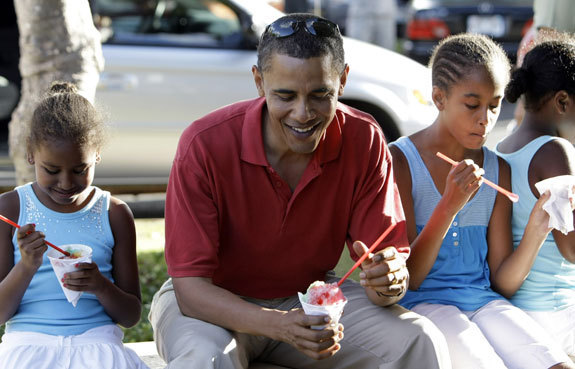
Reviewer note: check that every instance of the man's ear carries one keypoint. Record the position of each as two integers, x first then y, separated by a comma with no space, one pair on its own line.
259,80
98,158
343,79
30,158
439,97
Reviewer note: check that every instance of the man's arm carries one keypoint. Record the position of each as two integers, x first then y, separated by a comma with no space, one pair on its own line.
384,274
198,298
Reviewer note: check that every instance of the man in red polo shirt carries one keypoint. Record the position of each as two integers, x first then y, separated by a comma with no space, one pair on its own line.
263,196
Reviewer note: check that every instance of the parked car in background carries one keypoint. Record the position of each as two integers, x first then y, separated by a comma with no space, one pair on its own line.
428,21
170,62
336,11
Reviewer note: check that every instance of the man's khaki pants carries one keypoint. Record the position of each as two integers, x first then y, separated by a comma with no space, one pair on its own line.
374,337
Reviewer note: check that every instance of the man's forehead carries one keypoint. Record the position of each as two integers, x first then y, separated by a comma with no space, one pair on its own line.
282,59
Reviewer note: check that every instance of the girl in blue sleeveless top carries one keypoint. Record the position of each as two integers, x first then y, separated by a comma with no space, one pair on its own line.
461,249
535,152
44,330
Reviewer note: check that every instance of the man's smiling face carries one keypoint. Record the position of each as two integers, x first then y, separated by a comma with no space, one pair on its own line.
301,99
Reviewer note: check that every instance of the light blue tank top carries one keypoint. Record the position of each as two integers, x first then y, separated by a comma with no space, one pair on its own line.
460,275
550,284
44,307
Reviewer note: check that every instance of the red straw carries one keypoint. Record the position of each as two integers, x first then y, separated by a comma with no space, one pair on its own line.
364,256
510,195
2,217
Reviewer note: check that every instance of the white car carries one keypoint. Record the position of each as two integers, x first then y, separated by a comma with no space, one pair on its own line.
169,62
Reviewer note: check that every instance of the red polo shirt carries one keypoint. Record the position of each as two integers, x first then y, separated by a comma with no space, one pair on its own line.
232,218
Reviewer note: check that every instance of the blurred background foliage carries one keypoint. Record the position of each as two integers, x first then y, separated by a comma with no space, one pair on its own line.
152,268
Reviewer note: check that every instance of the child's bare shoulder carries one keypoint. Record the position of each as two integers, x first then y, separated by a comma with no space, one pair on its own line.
555,158
10,205
119,209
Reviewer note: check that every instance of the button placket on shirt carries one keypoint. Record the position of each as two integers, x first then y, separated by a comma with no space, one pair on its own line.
281,189
279,184
454,232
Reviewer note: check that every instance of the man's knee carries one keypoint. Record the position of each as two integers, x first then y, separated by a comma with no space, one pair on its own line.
201,345
200,355
187,342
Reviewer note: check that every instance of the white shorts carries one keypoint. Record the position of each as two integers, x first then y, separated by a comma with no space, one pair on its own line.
495,336
97,348
560,325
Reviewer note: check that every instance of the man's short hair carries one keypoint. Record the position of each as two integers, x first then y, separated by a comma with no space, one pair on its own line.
302,36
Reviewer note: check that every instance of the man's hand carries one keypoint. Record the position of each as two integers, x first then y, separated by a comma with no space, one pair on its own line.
318,344
200,299
384,272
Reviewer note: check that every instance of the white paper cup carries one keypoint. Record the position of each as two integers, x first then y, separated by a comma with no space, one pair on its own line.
334,311
62,265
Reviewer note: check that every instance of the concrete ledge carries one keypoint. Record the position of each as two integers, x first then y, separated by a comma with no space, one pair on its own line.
149,354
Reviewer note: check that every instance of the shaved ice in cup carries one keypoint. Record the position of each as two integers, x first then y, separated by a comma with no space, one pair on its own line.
321,293
63,264
323,299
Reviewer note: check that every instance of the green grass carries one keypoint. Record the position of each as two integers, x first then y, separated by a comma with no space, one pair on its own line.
152,269
346,262
150,235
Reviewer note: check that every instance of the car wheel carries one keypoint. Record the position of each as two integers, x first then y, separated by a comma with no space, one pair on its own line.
386,123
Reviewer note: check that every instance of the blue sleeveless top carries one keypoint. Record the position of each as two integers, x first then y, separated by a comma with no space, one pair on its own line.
460,274
44,307
550,284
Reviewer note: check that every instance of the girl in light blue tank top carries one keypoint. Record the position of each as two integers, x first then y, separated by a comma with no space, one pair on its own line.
44,329
535,152
460,231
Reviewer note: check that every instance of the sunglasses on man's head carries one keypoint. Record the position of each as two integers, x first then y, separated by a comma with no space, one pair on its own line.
316,26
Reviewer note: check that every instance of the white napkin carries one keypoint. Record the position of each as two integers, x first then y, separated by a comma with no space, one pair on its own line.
560,203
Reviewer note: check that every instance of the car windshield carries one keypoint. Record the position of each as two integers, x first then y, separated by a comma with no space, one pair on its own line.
208,23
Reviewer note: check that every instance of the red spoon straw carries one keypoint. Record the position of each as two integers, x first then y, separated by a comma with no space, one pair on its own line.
364,256
510,195
2,217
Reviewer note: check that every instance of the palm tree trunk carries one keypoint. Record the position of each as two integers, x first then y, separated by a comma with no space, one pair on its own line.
58,41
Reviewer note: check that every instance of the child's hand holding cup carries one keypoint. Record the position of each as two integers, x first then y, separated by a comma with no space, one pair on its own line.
65,264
